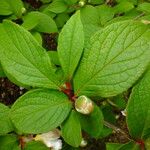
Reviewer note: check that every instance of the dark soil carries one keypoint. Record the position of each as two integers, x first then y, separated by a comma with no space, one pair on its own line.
9,92
50,41
34,3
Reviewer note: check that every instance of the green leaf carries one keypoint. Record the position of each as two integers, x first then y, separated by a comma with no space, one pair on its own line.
70,45
138,109
71,2
1,71
57,6
16,7
54,57
123,6
130,146
116,59
106,13
96,2
24,59
5,8
71,130
5,122
34,145
112,146
127,146
91,22
9,142
61,19
144,7
92,123
40,111
39,22
38,37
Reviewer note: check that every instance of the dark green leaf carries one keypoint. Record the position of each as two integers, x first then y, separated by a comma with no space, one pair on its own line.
5,122
9,142
92,123
138,109
71,130
35,146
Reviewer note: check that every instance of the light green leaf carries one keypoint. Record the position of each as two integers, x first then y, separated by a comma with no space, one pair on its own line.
112,146
9,142
71,130
70,45
138,109
145,7
106,13
16,7
24,59
91,22
123,6
54,57
57,6
92,123
5,8
5,122
129,146
96,2
38,37
34,145
39,22
1,71
40,111
119,54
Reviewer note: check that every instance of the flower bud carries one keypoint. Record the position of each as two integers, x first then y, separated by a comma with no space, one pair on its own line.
50,139
83,143
84,105
23,10
81,3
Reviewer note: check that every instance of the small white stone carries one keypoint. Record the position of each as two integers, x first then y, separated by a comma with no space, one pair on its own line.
124,113
83,143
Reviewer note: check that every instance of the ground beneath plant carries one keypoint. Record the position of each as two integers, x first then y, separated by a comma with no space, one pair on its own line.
9,92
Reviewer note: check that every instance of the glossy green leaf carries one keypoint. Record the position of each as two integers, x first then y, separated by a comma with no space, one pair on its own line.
39,22
54,57
71,130
70,45
57,6
5,8
92,123
123,6
1,72
145,7
130,146
38,37
35,146
5,122
40,111
24,59
106,13
91,22
112,146
118,56
9,142
96,2
138,109
16,7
